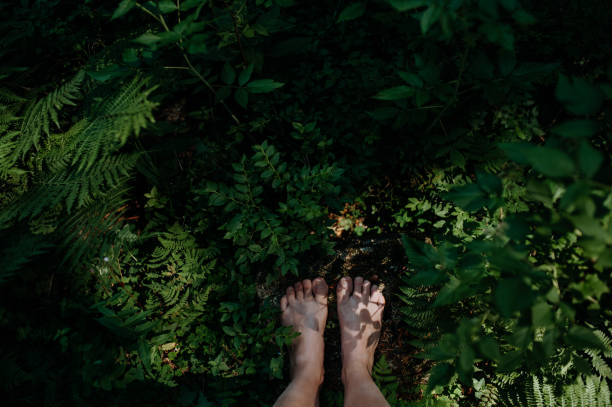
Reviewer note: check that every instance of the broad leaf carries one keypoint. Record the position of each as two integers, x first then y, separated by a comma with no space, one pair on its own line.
396,93
578,96
263,86
123,8
351,12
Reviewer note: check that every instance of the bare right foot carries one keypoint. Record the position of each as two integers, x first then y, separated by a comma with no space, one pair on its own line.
360,309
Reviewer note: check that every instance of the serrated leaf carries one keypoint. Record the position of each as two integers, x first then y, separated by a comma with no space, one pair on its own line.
351,12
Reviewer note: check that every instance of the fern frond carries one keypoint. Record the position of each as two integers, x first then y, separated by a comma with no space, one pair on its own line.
39,114
111,121
74,188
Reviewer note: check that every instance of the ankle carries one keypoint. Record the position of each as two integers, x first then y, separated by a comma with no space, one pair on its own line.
356,371
308,377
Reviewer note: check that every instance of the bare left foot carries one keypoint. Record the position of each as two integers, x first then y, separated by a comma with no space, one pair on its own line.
305,308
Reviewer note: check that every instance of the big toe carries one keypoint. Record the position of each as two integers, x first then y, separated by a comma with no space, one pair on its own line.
319,288
345,287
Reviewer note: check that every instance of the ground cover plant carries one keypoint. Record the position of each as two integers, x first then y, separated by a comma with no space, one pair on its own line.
167,167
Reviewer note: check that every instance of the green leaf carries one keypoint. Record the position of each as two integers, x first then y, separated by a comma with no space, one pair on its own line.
581,338
573,194
440,376
405,5
147,39
144,352
169,37
411,79
395,93
510,361
578,96
592,286
107,73
124,7
351,12
523,17
383,113
429,17
228,330
197,44
228,74
506,298
541,314
245,75
489,348
576,129
189,4
263,86
489,183
242,97
452,292
547,160
589,159
469,197
489,7
166,6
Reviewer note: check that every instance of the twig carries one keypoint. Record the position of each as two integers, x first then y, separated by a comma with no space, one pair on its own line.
193,70
455,93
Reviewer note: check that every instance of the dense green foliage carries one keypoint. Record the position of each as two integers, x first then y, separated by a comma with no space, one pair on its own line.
166,167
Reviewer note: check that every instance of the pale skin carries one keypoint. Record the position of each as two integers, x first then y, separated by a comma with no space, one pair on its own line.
360,308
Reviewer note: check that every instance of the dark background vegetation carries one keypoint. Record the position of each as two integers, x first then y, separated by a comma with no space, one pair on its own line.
167,167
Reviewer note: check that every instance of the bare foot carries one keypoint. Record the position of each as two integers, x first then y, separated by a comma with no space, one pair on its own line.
305,308
360,310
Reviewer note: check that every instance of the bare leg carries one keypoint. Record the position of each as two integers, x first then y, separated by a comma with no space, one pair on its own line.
305,308
360,311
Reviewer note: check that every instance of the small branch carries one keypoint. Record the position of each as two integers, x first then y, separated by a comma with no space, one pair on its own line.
193,70
146,10
456,92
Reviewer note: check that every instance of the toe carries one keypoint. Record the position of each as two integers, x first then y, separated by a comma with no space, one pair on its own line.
319,287
376,295
365,291
290,295
307,289
358,286
284,303
345,287
299,291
